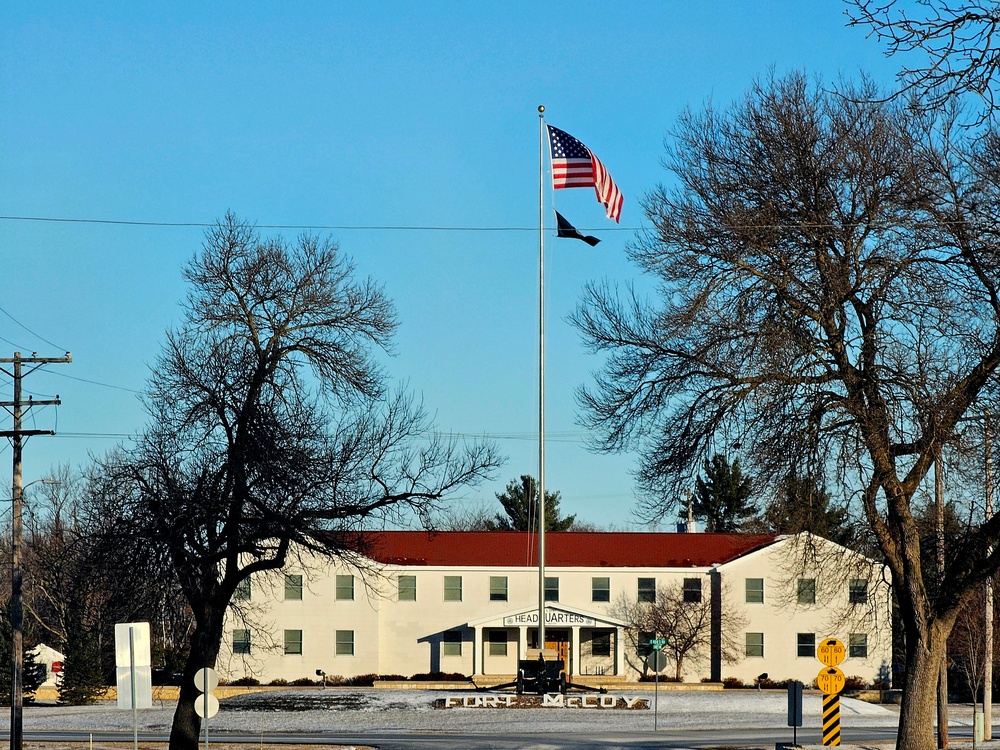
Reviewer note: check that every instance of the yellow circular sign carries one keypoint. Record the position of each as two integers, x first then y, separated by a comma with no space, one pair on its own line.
830,680
831,652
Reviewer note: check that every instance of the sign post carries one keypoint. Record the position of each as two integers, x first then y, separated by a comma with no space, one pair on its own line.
206,705
831,681
656,661
134,671
795,708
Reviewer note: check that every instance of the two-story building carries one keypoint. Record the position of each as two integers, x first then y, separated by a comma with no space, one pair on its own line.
468,602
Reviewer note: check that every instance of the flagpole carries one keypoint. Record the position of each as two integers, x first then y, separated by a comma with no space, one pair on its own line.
541,377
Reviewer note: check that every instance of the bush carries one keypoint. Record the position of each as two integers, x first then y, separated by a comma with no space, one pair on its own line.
854,682
391,678
335,680
304,682
440,677
733,683
361,680
663,678
246,682
278,682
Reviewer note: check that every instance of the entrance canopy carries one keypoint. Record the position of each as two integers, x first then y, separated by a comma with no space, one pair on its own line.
556,616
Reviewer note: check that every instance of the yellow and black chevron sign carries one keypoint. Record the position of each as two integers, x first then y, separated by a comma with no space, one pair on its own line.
831,720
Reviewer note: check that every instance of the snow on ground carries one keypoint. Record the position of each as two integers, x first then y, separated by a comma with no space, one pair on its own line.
353,710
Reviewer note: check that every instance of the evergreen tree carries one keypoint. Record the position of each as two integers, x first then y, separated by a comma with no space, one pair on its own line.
33,672
722,499
803,504
82,680
520,509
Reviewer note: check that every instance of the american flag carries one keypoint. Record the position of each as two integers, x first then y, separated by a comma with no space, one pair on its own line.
574,165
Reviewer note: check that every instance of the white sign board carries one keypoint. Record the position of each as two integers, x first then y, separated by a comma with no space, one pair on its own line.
552,617
133,663
132,644
143,687
206,705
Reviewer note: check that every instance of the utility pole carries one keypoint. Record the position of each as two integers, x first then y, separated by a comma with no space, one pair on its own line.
17,436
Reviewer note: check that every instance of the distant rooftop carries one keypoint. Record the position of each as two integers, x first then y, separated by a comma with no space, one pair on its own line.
562,549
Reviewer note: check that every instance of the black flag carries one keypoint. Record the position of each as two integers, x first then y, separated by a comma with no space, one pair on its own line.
565,229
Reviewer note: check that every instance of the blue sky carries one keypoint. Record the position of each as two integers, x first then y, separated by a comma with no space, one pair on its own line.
363,117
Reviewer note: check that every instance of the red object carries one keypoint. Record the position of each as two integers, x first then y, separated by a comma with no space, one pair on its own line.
562,549
56,667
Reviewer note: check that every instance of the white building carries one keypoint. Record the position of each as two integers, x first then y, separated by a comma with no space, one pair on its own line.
467,602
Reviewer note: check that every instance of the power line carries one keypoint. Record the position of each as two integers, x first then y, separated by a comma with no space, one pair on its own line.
326,227
38,336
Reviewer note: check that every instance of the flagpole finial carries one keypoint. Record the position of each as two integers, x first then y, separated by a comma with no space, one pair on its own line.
541,108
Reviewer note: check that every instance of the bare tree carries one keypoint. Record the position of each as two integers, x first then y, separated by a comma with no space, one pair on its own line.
830,299
682,618
957,41
272,431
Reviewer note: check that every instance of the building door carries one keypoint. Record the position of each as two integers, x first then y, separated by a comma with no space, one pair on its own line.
556,640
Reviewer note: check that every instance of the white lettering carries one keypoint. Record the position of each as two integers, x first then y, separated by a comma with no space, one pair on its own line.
632,702
552,699
449,702
608,701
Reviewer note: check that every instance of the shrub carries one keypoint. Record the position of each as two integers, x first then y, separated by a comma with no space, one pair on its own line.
335,680
278,682
733,683
663,678
439,677
361,680
246,682
854,682
391,678
303,682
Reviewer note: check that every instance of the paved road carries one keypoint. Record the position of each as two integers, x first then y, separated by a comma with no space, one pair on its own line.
514,741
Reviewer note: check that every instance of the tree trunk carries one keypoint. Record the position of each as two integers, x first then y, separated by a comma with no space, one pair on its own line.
920,687
205,642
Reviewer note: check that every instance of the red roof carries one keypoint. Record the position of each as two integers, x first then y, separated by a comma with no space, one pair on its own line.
562,549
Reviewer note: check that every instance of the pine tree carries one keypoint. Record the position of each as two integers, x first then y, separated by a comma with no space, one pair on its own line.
519,509
722,498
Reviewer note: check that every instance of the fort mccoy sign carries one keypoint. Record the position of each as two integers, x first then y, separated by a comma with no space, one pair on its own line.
549,700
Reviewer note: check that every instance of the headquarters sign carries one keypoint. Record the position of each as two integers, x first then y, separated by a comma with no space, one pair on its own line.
552,617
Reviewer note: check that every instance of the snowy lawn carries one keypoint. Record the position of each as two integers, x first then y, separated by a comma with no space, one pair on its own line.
354,710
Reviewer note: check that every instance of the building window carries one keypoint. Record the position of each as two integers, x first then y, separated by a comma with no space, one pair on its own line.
345,643
241,641
498,589
452,645
551,589
755,644
643,647
453,588
498,642
242,593
692,589
600,589
806,591
293,641
857,591
406,588
647,589
345,588
857,645
293,587
755,590
600,644
806,645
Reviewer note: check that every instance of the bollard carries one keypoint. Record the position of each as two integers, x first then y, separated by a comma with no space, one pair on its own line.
979,727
